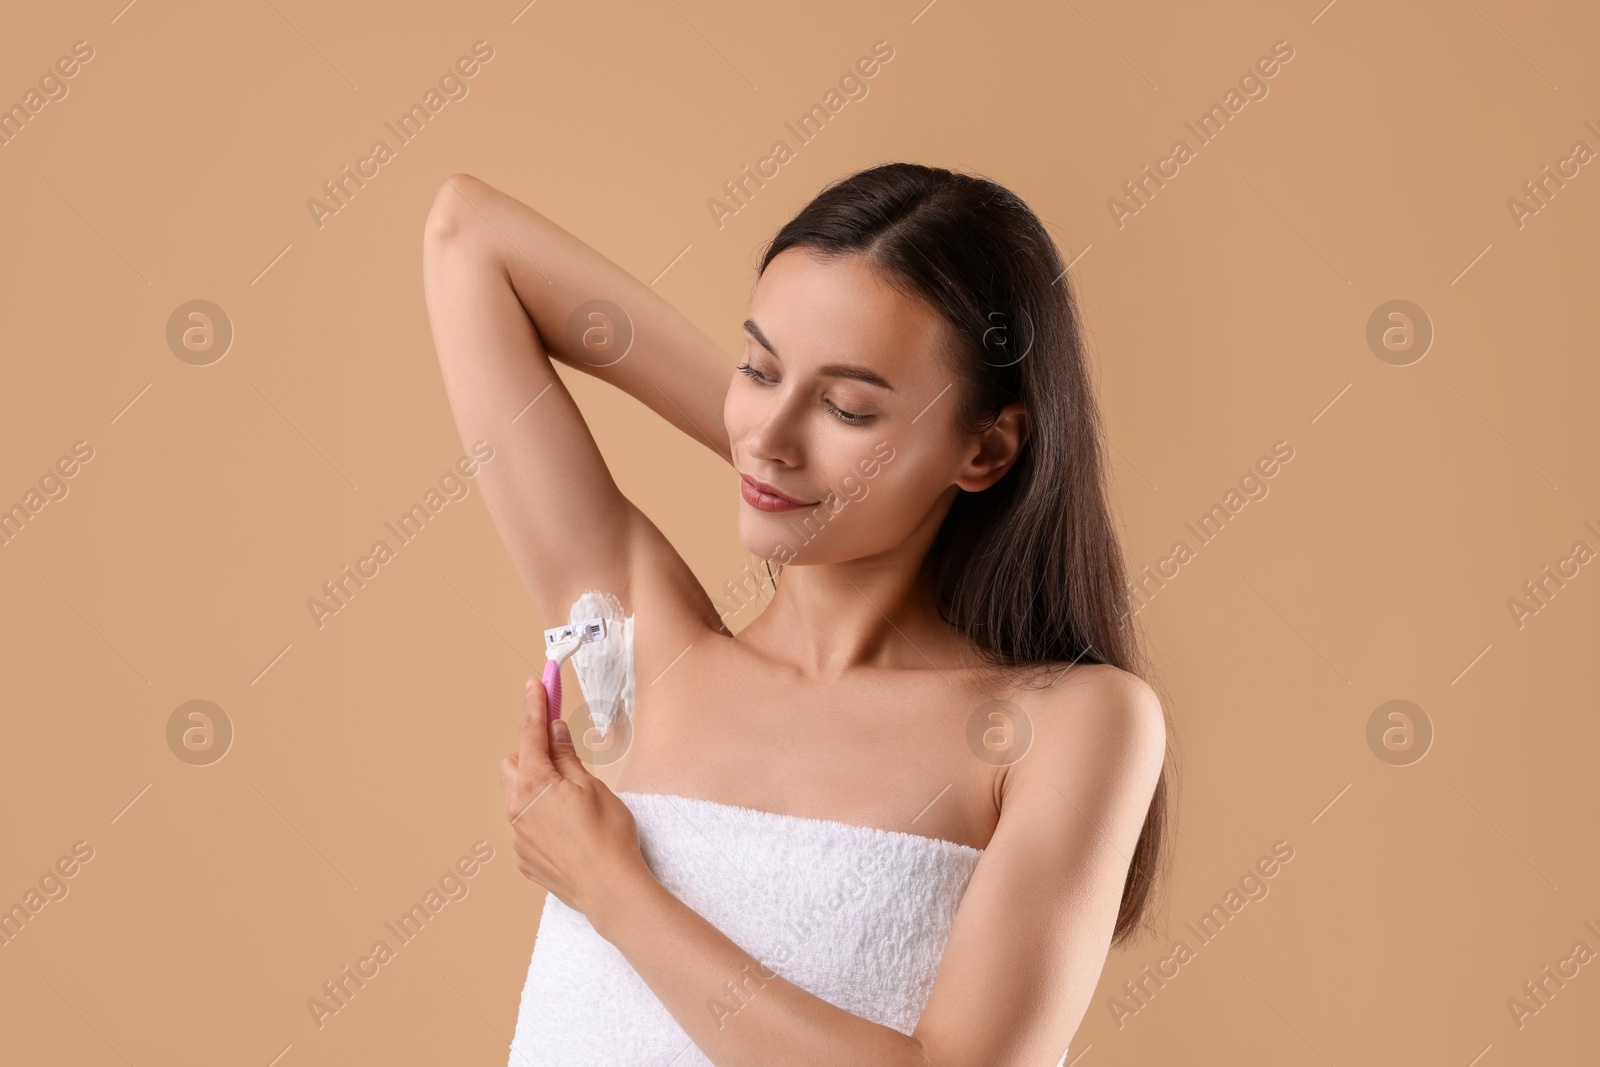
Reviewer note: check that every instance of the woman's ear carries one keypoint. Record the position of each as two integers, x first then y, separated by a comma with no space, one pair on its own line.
995,449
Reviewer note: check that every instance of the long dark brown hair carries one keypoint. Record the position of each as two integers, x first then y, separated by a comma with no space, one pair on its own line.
1029,569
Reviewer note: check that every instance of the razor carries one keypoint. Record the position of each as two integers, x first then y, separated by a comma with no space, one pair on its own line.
560,643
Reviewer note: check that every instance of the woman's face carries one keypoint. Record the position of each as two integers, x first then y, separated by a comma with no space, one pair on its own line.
847,410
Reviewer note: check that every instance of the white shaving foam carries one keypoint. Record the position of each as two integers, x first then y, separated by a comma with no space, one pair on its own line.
605,667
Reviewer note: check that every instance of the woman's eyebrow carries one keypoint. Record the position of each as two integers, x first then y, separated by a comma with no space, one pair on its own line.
755,331
829,370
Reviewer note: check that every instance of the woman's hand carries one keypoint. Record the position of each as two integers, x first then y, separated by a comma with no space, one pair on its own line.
570,832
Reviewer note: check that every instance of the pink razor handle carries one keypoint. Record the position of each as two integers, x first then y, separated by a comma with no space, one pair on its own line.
552,688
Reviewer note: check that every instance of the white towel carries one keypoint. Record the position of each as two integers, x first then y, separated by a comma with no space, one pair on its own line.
855,915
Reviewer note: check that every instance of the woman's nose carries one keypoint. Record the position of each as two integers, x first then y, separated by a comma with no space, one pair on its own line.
776,436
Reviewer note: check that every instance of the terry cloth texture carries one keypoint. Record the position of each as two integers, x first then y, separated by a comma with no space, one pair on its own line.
855,915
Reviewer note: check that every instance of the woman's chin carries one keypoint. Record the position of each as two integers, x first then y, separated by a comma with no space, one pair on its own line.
764,548
767,544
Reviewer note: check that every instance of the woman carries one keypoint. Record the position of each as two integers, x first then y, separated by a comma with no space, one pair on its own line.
900,817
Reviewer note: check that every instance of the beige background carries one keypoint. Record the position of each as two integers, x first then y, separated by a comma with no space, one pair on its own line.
1228,314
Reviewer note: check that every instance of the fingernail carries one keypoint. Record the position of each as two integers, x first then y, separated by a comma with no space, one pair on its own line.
561,731
529,688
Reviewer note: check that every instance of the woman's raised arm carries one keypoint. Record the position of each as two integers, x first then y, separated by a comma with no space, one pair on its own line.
671,366
502,284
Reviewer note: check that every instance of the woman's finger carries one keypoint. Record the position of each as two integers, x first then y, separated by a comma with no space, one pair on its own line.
563,753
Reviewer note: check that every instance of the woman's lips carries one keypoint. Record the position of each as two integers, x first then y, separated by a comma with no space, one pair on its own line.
764,497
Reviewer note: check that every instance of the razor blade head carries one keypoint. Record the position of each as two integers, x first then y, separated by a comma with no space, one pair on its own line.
579,633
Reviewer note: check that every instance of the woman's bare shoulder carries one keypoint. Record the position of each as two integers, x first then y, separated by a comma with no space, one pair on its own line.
1090,715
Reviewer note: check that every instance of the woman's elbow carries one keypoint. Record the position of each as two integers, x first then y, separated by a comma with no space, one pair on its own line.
453,211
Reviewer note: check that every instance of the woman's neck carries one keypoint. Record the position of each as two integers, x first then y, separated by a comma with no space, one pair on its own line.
829,619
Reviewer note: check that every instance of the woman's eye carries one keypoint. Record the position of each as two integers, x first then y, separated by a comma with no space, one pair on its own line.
847,417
